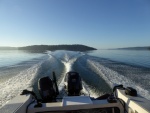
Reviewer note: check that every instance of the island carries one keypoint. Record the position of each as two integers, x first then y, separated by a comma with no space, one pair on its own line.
75,47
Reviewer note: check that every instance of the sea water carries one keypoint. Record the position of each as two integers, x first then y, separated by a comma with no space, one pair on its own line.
100,70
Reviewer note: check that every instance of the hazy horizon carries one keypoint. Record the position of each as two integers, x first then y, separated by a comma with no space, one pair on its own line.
11,47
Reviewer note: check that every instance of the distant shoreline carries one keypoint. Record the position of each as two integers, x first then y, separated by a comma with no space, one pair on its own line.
135,48
8,48
75,47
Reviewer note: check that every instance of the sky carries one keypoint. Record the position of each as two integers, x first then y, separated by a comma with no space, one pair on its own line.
97,23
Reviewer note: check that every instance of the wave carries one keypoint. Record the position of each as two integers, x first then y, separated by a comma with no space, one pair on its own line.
112,77
26,78
16,84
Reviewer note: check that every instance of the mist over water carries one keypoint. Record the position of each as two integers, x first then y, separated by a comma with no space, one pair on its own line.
99,72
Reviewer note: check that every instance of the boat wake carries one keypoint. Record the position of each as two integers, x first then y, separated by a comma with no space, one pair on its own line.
113,77
99,75
16,84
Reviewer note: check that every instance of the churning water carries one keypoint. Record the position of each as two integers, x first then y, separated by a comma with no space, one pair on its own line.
100,70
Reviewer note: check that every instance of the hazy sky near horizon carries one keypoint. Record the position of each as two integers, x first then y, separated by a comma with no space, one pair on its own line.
97,23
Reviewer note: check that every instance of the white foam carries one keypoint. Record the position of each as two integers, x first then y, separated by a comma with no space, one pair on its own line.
88,91
14,86
112,77
69,60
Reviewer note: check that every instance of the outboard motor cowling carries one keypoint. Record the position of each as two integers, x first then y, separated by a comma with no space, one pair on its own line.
46,89
74,82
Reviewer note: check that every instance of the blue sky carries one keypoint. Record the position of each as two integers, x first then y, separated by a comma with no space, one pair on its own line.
97,23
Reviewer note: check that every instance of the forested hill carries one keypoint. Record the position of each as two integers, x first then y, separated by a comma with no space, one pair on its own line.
57,47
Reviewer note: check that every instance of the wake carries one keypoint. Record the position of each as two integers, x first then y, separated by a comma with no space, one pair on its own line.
91,68
113,77
68,58
16,84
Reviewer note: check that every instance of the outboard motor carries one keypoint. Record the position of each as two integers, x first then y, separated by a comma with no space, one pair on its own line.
74,84
47,89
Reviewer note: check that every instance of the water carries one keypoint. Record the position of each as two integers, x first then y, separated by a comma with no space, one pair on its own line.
100,70
133,57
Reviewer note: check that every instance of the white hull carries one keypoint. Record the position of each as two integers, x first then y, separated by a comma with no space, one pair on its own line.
133,104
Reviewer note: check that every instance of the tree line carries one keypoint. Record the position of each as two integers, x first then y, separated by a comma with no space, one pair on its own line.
75,47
